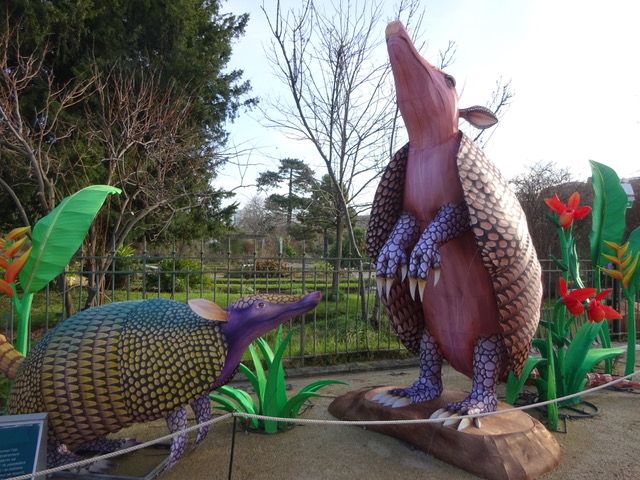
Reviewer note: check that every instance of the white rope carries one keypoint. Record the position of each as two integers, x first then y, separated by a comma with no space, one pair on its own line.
124,451
303,421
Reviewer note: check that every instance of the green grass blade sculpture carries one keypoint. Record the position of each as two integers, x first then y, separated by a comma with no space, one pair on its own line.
268,382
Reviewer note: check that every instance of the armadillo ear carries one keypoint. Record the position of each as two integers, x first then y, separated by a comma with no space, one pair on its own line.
479,117
207,309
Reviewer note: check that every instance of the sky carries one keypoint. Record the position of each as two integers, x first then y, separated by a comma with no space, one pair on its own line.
574,67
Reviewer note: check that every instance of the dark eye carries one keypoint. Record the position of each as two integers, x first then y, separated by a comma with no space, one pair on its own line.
260,305
451,82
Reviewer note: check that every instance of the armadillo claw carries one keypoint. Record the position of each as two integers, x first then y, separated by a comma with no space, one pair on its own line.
451,421
401,402
377,396
403,272
464,423
436,276
422,286
438,412
389,285
380,286
477,422
413,283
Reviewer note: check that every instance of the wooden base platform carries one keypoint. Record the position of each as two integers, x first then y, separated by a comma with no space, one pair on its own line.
507,447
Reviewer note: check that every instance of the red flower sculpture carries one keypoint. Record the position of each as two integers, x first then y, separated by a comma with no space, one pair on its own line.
598,312
575,299
569,212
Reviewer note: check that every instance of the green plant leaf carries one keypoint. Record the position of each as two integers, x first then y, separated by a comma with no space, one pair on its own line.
634,249
550,389
574,262
541,345
225,403
240,396
592,358
57,236
275,390
291,409
266,351
231,406
558,263
315,386
515,384
259,378
577,352
609,207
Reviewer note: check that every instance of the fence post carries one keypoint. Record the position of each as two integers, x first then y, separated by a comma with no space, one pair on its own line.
173,270
144,268
304,317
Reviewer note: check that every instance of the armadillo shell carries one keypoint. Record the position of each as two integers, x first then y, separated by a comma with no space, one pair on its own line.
500,229
110,366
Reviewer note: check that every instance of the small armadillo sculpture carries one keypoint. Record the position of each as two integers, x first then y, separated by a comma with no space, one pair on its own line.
108,367
445,216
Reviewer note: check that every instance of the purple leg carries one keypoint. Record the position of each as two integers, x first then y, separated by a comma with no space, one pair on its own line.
488,356
393,255
106,445
201,407
450,222
176,421
58,454
428,385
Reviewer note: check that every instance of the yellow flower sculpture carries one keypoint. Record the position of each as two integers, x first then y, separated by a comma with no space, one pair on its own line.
625,263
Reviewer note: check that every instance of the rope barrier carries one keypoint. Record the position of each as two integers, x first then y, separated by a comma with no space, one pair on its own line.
124,451
305,421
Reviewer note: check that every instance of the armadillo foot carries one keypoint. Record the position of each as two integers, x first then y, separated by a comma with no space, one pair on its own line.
428,385
58,455
488,355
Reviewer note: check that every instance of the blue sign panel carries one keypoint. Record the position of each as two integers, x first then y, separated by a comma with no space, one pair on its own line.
22,446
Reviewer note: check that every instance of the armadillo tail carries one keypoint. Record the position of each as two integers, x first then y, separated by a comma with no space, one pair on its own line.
10,358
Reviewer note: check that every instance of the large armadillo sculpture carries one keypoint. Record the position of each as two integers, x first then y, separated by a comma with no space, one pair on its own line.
445,216
108,367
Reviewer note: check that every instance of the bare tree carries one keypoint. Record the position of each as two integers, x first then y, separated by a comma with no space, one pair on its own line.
255,219
539,181
27,139
498,103
134,133
341,99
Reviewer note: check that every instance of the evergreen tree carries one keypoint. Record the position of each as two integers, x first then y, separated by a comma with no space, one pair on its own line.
297,178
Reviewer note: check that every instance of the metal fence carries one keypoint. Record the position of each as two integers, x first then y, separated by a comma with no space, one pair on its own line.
348,324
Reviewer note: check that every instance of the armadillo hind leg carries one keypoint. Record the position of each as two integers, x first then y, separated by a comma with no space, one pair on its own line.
58,454
451,221
428,385
201,407
106,445
176,421
488,358
393,255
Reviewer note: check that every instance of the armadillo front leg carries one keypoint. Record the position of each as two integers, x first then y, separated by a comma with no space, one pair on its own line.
201,407
393,255
176,421
428,386
451,221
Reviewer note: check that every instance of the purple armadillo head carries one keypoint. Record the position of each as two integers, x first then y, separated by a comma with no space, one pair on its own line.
251,317
427,96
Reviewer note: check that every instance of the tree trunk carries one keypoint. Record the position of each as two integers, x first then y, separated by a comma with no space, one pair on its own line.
335,283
